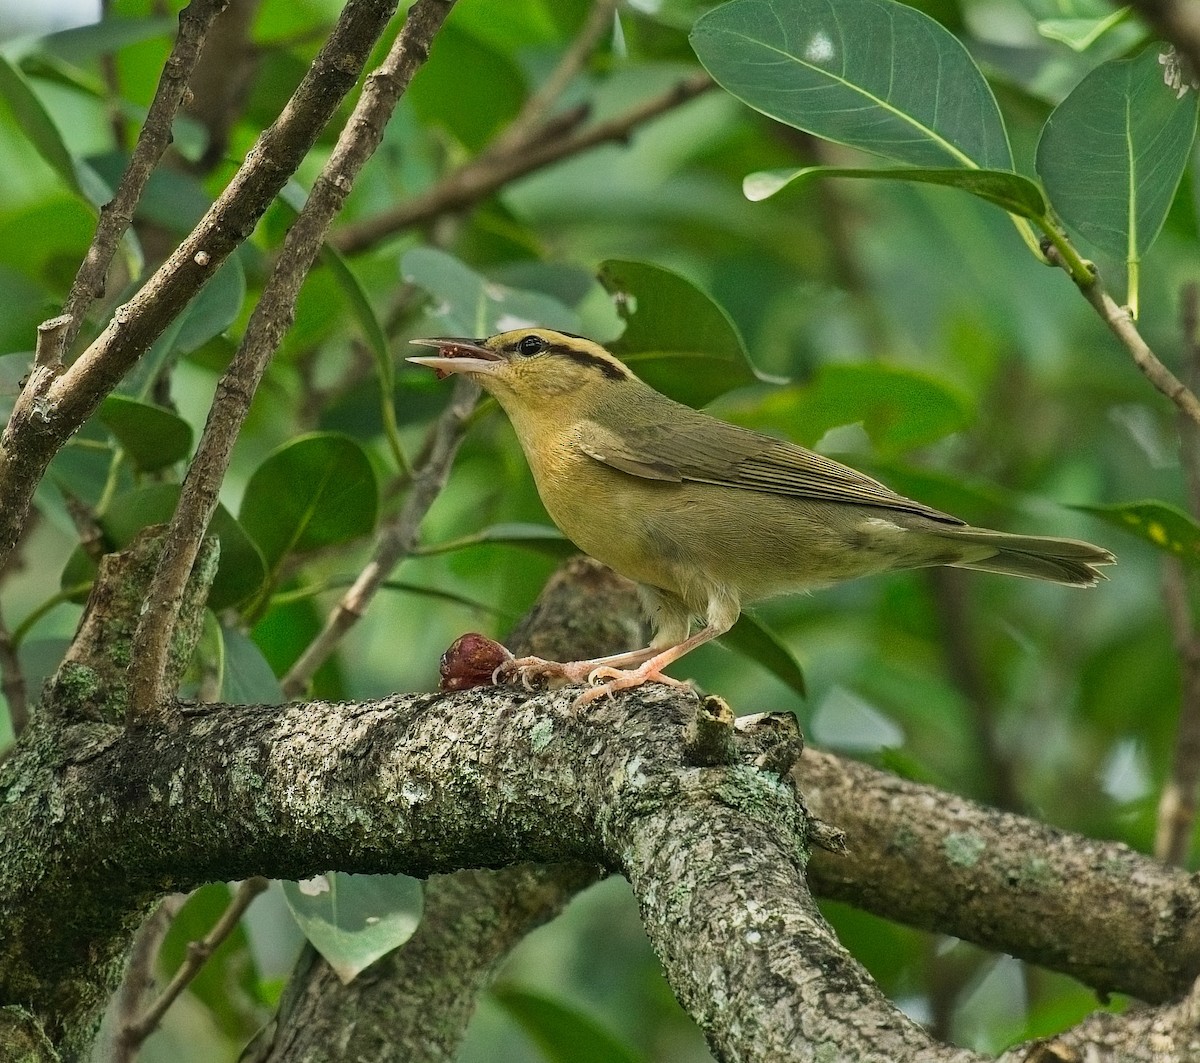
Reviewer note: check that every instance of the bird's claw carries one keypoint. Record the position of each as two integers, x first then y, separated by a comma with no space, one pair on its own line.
533,673
620,679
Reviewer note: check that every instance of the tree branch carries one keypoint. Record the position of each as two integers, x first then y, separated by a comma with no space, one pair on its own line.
271,318
1177,804
1120,324
53,405
482,176
195,20
1112,918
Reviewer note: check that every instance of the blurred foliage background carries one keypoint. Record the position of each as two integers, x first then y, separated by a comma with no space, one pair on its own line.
904,328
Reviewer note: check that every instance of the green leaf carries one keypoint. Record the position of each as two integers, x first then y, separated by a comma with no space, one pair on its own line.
1005,189
353,920
759,643
564,1034
677,338
468,304
872,74
315,491
899,409
152,437
215,308
544,538
246,677
1112,153
43,133
1080,34
240,573
1169,528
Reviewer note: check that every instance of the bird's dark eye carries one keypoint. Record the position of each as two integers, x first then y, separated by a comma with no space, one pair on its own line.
529,345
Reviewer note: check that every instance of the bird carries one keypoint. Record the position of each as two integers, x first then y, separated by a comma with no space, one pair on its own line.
705,516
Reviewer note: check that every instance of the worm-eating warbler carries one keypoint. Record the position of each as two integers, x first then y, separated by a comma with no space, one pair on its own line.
703,515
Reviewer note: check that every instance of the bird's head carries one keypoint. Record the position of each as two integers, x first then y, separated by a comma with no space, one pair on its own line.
530,367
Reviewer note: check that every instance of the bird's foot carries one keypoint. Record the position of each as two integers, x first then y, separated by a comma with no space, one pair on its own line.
620,679
534,673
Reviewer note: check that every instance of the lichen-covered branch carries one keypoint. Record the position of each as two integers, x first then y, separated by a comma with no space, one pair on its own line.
1114,919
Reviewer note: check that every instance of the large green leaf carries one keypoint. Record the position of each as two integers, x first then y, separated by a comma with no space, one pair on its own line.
898,408
1165,526
676,337
353,920
1012,192
564,1034
471,108
315,491
469,304
152,437
1112,153
874,74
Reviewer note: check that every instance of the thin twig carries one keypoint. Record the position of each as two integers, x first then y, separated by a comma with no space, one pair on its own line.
536,110
1177,805
154,138
272,316
52,406
198,953
484,175
396,540
1120,323
12,682
139,977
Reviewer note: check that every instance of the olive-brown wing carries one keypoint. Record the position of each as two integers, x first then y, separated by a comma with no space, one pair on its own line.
686,445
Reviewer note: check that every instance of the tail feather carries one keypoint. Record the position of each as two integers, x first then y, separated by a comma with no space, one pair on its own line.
1068,561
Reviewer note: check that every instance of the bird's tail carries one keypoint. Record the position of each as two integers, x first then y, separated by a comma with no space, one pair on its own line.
1068,561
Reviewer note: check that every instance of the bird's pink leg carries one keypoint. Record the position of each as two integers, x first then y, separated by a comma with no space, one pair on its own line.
529,671
650,671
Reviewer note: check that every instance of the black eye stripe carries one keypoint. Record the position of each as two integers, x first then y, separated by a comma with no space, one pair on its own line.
564,350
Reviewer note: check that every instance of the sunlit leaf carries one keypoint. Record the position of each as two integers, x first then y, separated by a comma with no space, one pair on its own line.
353,920
315,491
563,1033
1011,191
677,338
752,639
1112,153
874,74
1165,526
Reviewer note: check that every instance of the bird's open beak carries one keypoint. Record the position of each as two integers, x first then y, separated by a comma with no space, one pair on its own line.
457,355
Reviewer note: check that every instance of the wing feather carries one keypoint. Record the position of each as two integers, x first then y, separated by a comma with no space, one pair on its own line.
699,448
